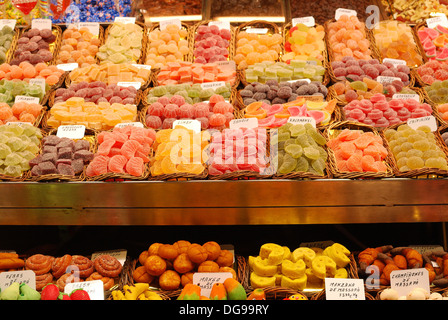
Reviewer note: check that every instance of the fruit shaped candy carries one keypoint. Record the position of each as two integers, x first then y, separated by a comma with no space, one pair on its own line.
305,43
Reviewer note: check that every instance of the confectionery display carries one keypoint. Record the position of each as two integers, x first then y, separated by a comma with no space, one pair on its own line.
97,92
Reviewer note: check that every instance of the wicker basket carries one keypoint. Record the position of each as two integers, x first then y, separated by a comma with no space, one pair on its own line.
90,136
332,132
184,26
425,173
144,40
416,28
12,48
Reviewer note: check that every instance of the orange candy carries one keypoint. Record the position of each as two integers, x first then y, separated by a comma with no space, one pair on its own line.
26,71
20,111
77,46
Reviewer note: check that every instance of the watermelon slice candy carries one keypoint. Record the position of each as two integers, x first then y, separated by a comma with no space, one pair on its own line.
442,29
423,35
442,55
432,33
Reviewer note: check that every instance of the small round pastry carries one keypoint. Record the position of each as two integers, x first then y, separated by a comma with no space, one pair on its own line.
228,269
107,265
142,257
155,265
42,280
208,266
197,253
183,264
108,282
225,258
141,275
67,278
154,248
60,265
213,250
186,278
168,252
39,263
81,265
169,280
182,246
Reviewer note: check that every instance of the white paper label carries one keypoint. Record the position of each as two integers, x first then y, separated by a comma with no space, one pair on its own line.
26,99
394,61
68,66
308,21
41,24
257,30
344,289
227,65
302,120
213,85
220,24
38,82
386,80
194,125
249,123
429,121
403,281
120,254
304,79
164,23
206,280
24,276
94,288
341,11
142,66
75,131
406,96
18,123
439,20
94,27
136,85
127,124
125,20
8,22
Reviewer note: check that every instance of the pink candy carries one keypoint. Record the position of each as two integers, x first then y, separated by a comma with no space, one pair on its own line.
211,44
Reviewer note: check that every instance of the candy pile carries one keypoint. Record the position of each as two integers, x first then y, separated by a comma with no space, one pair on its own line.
415,148
20,111
167,45
274,92
101,116
122,150
358,151
211,44
433,42
6,36
26,71
252,48
33,46
233,150
300,149
281,71
438,91
347,38
354,70
189,156
305,43
9,89
433,70
96,92
214,114
379,112
61,156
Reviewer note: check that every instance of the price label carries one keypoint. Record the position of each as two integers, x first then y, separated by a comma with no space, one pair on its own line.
94,27
125,20
38,82
24,276
394,61
142,66
406,96
164,23
227,65
136,85
344,289
341,11
429,121
27,99
75,131
304,79
386,80
308,21
8,22
41,24
127,124
68,66
120,254
220,24
18,123
94,288
257,30
403,281
213,85
248,123
206,280
439,20
194,125
302,120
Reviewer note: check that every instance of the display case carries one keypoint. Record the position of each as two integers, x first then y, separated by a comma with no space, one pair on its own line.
154,11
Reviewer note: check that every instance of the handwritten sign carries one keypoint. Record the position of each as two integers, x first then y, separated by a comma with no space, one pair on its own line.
394,61
127,124
213,85
439,20
386,80
406,96
94,288
194,125
125,20
429,121
403,281
71,131
341,11
344,289
68,66
164,23
220,24
249,123
120,254
136,85
8,22
38,82
206,280
27,99
24,276
302,120
93,27
308,21
41,24
257,30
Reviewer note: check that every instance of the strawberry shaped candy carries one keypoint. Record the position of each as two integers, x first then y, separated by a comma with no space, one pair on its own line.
79,294
50,292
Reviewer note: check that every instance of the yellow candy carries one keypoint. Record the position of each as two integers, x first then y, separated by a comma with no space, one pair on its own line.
273,252
307,254
341,273
293,270
337,254
257,281
297,284
323,266
262,267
